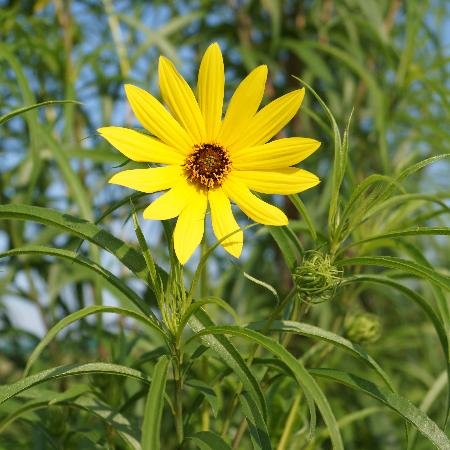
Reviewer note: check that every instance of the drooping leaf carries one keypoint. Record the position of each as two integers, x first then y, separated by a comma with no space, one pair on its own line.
208,440
288,326
222,346
302,376
256,424
393,262
89,310
399,404
83,261
12,390
24,109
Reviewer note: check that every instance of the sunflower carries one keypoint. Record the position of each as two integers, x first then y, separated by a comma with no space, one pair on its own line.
210,160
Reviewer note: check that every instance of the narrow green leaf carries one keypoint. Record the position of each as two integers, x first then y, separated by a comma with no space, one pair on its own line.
151,266
151,426
81,228
207,392
263,284
416,231
12,390
223,347
193,307
120,424
256,424
24,109
90,404
399,404
392,262
301,208
77,315
118,204
43,401
433,394
288,326
289,250
339,163
302,376
83,261
208,440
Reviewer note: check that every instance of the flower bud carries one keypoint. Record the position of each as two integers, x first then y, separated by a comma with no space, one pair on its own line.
363,327
316,279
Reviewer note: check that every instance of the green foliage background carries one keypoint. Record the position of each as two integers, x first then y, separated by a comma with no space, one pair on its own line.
380,213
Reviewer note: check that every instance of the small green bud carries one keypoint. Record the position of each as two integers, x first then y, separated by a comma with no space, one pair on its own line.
57,417
316,279
363,327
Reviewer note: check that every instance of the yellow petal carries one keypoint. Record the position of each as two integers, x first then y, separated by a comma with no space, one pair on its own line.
224,223
181,100
270,120
243,105
171,203
149,180
274,155
153,116
190,226
210,86
257,209
279,181
140,147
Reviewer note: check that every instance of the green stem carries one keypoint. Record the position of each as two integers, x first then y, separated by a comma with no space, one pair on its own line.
289,424
204,293
205,410
204,273
178,398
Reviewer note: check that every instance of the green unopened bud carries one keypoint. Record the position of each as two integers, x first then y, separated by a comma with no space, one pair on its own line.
316,279
363,328
57,417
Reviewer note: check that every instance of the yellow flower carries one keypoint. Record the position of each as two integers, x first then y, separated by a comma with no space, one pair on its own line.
210,160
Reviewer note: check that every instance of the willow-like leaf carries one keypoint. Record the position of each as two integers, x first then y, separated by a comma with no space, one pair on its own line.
399,404
392,262
302,376
289,326
151,425
257,426
301,208
85,262
287,243
417,231
89,310
202,302
14,389
223,347
24,109
208,440
127,255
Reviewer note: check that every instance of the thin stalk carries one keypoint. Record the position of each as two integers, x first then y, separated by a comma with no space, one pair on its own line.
282,445
116,33
204,293
178,398
205,409
239,434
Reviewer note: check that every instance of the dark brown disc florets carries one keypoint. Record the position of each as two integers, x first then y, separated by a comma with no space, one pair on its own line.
208,165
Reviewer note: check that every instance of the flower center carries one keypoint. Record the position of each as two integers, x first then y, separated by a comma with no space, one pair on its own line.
208,165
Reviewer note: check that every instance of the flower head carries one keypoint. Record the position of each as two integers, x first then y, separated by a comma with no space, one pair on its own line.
210,160
363,327
316,279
